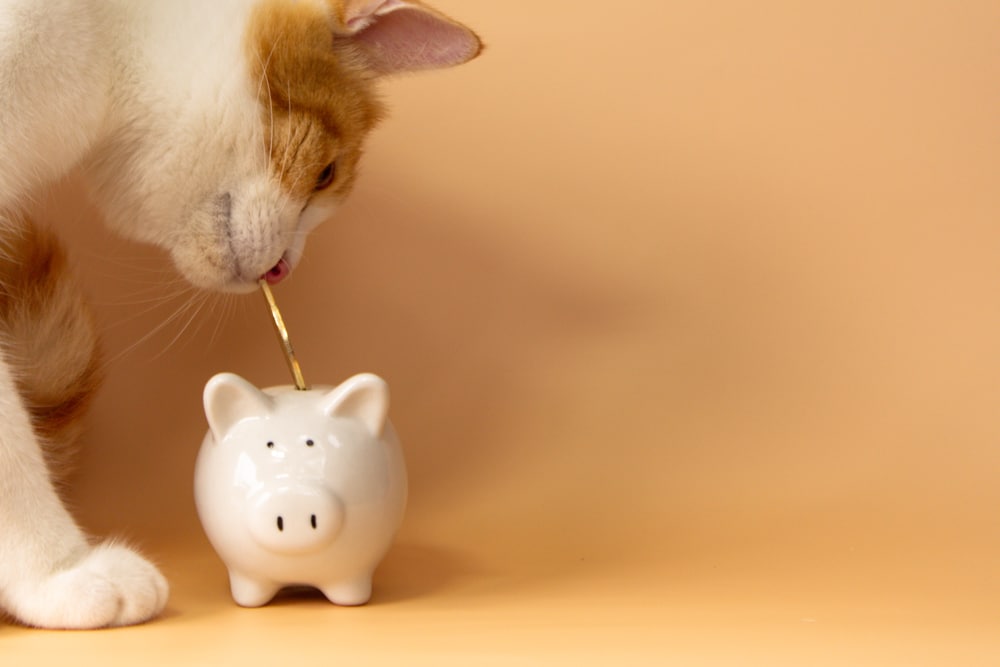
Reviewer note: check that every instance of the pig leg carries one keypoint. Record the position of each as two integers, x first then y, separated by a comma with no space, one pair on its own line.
250,591
350,593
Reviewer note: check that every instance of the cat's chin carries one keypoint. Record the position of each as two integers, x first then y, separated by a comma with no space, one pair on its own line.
211,281
236,287
236,284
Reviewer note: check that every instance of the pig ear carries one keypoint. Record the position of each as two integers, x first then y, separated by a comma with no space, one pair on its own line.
404,35
228,399
364,397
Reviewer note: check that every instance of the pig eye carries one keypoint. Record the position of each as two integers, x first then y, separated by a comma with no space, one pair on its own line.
310,443
270,445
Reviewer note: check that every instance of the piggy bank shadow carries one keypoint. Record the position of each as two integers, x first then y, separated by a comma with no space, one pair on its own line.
413,571
410,571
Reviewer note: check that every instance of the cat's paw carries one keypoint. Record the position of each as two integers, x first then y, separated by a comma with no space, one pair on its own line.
111,585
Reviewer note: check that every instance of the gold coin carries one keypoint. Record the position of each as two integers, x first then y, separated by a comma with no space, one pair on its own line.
286,344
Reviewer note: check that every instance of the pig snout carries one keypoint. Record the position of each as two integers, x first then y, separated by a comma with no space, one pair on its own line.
294,519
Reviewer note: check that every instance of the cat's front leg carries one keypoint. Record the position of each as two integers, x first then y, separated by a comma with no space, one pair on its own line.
50,576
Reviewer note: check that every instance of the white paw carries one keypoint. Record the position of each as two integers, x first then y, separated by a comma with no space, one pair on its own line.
111,585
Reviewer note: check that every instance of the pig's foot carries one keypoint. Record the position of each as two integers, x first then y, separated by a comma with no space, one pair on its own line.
350,593
250,592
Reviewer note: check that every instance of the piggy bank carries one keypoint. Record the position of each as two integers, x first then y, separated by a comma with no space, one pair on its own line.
300,487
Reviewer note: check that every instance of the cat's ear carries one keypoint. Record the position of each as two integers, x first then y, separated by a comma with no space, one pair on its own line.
363,397
404,35
228,399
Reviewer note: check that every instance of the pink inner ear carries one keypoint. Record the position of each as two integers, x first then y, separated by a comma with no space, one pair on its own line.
410,38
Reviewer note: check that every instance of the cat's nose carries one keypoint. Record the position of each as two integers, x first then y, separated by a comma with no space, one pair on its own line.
278,272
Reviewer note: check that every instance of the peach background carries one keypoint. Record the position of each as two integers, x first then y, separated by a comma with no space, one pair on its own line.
690,312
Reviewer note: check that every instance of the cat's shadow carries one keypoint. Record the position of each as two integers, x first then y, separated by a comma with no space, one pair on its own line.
458,323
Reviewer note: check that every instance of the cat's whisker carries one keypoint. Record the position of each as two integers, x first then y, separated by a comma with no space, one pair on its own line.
179,312
145,312
130,264
153,282
270,140
149,305
292,235
288,139
151,285
288,135
216,303
188,310
150,294
231,304
263,72
265,80
147,297
192,310
287,197
219,319
270,111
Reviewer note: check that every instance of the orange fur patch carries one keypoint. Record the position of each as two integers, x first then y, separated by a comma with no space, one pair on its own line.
317,104
48,336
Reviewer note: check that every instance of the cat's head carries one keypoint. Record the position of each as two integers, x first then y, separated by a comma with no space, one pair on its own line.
250,133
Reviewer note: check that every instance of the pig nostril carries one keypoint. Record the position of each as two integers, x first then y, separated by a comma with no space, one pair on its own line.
281,523
312,520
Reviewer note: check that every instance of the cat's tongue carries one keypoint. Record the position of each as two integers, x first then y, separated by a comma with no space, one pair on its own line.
278,273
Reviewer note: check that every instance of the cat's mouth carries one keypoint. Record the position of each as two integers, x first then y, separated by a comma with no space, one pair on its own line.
278,272
238,281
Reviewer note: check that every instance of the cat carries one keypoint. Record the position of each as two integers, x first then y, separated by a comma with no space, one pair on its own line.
222,132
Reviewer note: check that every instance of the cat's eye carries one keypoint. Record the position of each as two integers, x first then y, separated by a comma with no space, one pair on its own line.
326,176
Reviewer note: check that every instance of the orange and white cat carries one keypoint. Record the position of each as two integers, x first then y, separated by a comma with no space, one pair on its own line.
221,131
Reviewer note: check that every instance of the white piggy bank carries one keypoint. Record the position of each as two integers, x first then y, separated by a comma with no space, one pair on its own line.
300,487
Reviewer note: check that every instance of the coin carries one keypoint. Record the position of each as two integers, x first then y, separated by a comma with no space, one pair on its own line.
286,344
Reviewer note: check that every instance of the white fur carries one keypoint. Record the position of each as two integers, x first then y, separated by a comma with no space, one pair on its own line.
52,59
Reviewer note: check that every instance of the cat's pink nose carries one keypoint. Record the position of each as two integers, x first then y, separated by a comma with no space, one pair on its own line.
278,273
